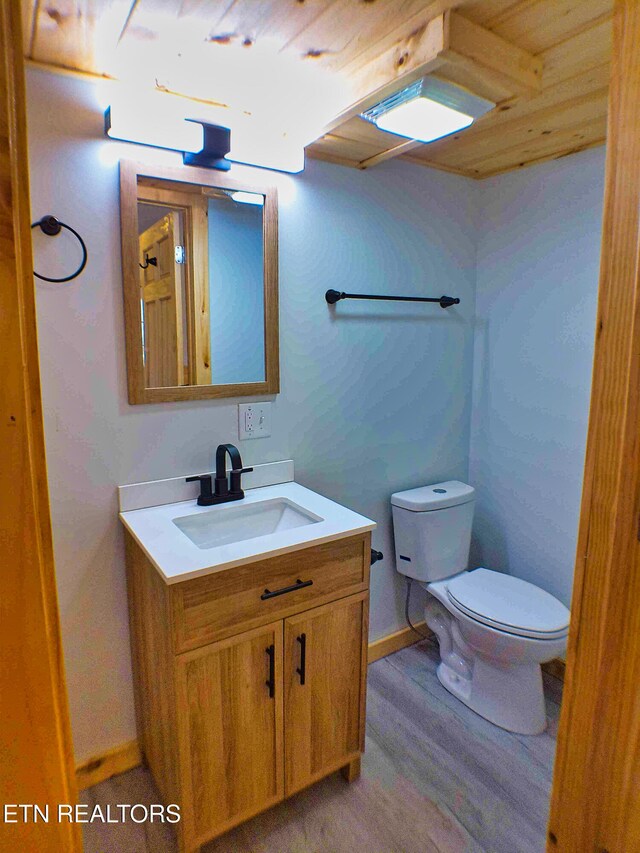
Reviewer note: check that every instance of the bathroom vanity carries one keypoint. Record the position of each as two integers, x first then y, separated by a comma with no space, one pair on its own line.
249,655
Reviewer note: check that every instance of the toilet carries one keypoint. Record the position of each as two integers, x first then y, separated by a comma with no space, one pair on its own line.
494,630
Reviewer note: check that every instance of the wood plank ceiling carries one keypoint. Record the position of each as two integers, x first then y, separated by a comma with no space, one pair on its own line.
544,62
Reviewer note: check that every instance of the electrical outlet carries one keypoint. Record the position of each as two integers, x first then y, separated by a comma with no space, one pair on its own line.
254,420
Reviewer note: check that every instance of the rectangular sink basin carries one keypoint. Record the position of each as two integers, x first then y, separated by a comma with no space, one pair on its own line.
224,525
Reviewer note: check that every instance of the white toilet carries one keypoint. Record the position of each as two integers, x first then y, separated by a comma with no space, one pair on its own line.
494,630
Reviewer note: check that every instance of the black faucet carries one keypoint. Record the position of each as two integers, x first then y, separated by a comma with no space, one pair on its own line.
223,491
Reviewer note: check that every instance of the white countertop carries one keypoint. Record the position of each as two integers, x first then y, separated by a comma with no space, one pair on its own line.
178,559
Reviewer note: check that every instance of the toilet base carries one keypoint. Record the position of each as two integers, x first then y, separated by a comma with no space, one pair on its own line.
503,691
510,697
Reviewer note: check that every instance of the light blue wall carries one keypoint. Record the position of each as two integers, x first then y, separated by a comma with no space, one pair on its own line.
374,397
236,284
537,280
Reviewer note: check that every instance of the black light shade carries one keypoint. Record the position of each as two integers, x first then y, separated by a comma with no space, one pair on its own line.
217,144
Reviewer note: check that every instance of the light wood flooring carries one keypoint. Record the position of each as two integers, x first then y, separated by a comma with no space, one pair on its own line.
436,778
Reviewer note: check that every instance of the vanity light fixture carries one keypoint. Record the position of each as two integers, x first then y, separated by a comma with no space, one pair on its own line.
216,146
201,144
161,125
130,123
267,150
428,109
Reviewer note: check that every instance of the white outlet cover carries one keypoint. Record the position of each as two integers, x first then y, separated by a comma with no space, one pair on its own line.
254,420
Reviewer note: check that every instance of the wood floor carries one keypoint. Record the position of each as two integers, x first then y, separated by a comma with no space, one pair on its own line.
436,778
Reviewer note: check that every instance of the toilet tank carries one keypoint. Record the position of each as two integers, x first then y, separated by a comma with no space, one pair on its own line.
432,529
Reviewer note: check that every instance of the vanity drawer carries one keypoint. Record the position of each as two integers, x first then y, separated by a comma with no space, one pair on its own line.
234,600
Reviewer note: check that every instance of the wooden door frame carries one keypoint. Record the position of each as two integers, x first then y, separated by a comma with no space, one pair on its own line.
36,752
595,799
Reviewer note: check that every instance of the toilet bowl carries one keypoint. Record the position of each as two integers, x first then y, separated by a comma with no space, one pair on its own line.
494,630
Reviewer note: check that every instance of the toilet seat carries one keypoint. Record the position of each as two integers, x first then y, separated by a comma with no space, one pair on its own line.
508,604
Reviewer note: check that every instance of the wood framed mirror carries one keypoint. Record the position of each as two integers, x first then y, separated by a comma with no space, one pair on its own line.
200,280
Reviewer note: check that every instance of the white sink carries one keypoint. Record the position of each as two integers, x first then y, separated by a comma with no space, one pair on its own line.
184,540
228,524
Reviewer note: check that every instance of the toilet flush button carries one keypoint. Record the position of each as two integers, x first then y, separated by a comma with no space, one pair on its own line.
440,491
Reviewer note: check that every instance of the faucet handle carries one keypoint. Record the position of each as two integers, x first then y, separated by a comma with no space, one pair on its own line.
206,494
198,478
236,474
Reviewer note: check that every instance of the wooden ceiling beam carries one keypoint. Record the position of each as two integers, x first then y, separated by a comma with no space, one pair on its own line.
416,16
475,47
402,64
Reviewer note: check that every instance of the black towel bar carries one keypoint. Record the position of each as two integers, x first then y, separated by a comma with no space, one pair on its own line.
333,296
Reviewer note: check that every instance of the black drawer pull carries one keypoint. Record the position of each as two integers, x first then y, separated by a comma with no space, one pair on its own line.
271,681
302,669
297,585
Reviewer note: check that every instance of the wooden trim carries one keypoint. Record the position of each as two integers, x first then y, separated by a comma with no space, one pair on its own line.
391,153
183,179
364,660
554,155
107,764
594,803
198,308
36,747
396,641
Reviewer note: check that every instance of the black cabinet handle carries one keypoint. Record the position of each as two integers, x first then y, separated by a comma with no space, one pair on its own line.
302,669
297,585
271,682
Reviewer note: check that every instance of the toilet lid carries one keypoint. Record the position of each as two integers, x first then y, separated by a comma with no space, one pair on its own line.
509,604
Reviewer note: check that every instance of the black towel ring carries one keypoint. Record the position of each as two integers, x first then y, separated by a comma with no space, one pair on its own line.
51,226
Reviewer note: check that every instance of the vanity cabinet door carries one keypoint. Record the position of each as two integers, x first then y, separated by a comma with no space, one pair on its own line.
324,685
230,730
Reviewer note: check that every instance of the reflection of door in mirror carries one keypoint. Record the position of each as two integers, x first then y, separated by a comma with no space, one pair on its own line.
162,298
200,275
182,304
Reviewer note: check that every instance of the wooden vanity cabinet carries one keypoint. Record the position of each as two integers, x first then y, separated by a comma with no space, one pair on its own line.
243,700
230,729
324,689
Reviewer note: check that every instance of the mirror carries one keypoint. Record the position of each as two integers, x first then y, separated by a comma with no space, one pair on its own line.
200,285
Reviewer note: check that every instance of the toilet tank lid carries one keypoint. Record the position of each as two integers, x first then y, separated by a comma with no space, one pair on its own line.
436,496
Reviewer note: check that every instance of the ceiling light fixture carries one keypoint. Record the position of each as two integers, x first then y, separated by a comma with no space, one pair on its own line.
428,109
